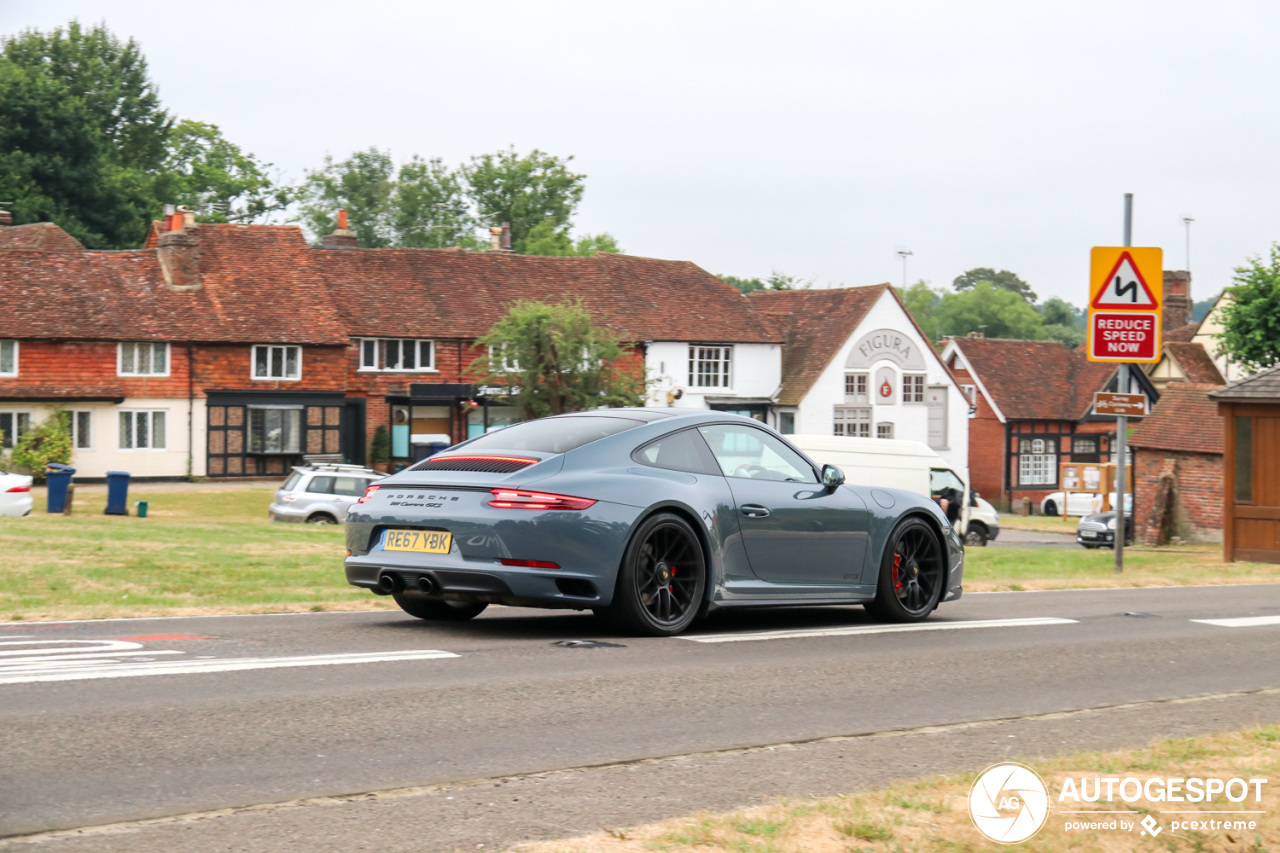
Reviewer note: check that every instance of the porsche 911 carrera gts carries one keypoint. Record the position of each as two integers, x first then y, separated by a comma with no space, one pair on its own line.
650,517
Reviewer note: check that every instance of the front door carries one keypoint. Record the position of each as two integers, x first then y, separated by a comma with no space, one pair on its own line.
794,530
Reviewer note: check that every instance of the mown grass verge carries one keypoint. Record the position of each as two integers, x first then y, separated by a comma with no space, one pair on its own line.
932,814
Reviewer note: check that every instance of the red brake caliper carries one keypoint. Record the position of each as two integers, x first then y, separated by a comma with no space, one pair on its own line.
897,562
672,587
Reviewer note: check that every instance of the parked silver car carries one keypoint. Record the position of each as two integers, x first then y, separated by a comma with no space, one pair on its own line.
321,493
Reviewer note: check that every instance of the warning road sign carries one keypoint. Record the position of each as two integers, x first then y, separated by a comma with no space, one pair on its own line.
1124,278
1124,336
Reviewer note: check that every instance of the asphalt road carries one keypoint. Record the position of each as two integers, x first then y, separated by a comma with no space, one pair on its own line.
112,722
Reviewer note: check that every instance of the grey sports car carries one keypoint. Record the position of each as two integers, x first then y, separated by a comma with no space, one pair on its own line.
650,517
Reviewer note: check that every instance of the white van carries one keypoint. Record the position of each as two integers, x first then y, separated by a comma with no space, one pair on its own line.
908,465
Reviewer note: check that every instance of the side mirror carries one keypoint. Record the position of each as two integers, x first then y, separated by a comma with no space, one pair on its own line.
831,477
973,498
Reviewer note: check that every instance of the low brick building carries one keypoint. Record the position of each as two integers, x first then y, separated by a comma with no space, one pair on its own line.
1177,476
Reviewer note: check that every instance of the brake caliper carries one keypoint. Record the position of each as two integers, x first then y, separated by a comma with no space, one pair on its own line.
897,565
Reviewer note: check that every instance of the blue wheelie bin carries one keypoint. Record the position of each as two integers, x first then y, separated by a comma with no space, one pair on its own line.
117,493
58,476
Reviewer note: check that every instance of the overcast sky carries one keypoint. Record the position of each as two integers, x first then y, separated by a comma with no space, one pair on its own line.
811,138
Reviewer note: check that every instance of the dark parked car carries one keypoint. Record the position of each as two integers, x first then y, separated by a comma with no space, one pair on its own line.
650,517
1099,530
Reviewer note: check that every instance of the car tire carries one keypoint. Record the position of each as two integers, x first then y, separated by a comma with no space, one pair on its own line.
416,604
1050,508
912,573
662,579
976,535
321,518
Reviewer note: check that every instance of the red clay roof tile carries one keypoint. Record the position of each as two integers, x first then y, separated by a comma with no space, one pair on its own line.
1185,420
1195,363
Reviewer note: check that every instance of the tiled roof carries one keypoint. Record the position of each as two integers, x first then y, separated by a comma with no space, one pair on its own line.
258,285
62,392
1035,380
38,237
1185,419
1262,386
453,293
1196,364
1182,334
815,324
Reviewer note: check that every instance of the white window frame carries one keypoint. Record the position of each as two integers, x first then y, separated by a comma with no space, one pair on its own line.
155,346
499,362
420,346
284,361
77,434
12,435
884,429
852,382
913,385
853,421
970,393
1039,467
719,357
150,415
13,346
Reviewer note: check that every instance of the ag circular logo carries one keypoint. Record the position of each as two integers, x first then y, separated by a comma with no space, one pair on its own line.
1008,803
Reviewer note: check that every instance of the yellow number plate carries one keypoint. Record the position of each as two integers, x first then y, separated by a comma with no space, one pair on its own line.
422,541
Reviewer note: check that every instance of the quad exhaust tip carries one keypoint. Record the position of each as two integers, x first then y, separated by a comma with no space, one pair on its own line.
426,584
389,583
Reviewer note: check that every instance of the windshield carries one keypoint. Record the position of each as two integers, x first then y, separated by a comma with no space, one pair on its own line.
944,478
552,435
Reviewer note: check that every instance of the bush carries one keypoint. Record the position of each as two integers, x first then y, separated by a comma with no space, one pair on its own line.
49,442
380,450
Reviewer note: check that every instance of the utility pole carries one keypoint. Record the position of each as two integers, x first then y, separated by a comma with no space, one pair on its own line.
1122,423
904,254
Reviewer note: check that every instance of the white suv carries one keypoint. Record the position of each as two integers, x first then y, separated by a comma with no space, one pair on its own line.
321,493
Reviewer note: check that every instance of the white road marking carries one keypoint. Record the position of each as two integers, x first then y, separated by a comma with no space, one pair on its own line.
1241,621
74,664
877,629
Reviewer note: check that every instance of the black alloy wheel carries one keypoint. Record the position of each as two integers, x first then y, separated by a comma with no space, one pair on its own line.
662,579
911,574
414,603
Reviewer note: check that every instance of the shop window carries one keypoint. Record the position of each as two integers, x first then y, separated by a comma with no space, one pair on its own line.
1037,462
143,358
710,367
852,421
277,362
275,429
1084,446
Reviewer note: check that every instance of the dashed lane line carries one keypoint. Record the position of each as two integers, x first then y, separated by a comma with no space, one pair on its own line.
853,630
1241,621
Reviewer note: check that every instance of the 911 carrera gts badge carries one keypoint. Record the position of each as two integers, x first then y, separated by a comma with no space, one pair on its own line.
415,503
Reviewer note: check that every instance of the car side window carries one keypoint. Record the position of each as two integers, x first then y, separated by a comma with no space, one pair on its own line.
349,486
322,485
679,451
753,454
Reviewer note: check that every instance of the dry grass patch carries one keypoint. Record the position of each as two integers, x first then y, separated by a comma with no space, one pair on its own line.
932,814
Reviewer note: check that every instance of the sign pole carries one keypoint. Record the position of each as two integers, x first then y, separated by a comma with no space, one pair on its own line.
1122,423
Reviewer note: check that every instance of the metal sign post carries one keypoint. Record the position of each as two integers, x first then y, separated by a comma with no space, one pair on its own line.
1122,423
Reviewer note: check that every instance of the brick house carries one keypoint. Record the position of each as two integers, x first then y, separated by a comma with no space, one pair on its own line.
211,353
855,363
1033,404
1184,362
1177,458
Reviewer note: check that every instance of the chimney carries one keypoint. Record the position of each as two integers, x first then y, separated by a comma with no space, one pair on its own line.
506,236
1177,300
6,219
178,249
342,237
500,238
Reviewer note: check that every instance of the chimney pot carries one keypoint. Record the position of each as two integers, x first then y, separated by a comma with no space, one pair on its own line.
342,219
342,237
495,239
506,236
6,219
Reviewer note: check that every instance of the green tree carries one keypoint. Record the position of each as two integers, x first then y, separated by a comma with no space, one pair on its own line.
523,191
213,176
775,281
429,207
546,239
555,360
992,310
1003,279
922,303
48,442
1251,316
363,185
1062,322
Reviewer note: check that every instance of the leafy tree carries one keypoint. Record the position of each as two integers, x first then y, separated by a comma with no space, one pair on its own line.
546,239
992,310
1062,322
775,281
1201,309
1251,317
922,303
1003,279
213,176
48,442
523,191
363,185
429,207
555,360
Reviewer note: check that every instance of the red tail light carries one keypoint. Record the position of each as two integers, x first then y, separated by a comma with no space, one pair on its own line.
519,499
368,493
530,564
20,489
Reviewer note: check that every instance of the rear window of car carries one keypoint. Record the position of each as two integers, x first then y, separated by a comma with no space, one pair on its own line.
292,481
323,485
553,435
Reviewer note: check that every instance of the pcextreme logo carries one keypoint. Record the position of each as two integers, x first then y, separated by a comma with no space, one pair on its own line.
1008,803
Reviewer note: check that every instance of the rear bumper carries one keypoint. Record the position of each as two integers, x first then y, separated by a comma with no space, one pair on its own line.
487,581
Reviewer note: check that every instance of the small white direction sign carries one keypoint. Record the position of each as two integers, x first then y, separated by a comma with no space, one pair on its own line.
1125,287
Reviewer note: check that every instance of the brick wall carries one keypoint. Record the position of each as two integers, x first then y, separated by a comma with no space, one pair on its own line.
1196,511
228,366
986,445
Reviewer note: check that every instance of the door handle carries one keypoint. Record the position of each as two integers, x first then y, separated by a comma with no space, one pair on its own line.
754,511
